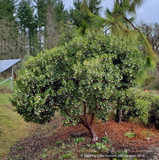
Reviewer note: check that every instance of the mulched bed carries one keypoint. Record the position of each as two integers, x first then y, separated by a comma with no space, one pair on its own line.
27,148
135,146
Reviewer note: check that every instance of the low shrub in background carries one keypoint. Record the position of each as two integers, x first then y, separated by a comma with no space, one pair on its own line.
145,107
153,117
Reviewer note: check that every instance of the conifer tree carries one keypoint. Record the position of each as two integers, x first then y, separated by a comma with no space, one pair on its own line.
28,24
82,9
7,9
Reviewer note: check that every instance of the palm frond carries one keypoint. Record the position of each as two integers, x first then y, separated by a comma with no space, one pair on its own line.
135,4
108,12
99,22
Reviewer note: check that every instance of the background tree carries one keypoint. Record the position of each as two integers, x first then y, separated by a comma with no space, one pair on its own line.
78,78
11,42
7,9
50,13
41,7
52,29
67,33
61,14
151,32
94,6
28,24
82,9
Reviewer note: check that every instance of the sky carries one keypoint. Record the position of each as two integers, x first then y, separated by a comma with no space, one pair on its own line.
148,12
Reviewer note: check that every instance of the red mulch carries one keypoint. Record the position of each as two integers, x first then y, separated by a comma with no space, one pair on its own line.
116,133
36,143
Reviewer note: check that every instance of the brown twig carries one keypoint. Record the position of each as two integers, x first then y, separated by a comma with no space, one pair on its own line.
69,114
133,26
77,106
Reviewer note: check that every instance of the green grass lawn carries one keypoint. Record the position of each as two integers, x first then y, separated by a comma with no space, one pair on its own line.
12,125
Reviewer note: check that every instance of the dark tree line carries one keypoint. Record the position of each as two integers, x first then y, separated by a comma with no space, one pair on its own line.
31,26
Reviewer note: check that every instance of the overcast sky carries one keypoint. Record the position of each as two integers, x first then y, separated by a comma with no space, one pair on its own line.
148,12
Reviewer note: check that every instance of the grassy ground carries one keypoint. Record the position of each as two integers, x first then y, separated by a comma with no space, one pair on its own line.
5,87
12,126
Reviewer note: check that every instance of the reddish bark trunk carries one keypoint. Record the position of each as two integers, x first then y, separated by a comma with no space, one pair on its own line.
85,121
88,124
91,131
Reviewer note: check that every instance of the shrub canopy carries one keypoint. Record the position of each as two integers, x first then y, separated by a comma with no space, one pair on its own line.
78,78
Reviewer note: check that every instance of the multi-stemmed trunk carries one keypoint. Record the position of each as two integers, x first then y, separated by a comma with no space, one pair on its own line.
85,121
88,124
91,131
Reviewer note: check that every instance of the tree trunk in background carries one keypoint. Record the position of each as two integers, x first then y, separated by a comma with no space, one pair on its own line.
118,116
52,32
12,42
30,51
39,39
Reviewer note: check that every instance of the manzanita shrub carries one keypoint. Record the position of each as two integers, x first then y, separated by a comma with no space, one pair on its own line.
78,78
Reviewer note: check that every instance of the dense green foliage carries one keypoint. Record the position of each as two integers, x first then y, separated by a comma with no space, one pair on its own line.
76,78
152,111
7,9
81,11
67,33
139,108
145,107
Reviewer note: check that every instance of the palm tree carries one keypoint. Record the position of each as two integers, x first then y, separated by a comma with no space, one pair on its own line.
117,23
